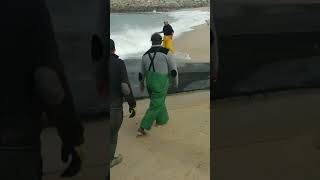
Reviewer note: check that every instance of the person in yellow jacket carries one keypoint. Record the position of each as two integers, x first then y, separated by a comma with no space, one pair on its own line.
168,36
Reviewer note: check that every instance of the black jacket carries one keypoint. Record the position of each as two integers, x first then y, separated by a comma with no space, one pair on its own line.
110,74
28,44
167,30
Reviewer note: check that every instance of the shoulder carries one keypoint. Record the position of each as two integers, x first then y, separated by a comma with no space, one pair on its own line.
121,63
164,50
115,58
148,52
157,49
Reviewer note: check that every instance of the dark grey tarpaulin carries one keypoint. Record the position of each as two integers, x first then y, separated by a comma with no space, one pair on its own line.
75,22
192,76
266,46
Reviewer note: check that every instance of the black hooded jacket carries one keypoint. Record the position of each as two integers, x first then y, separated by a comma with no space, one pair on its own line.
167,30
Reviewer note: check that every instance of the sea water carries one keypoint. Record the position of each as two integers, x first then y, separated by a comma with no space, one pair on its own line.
132,31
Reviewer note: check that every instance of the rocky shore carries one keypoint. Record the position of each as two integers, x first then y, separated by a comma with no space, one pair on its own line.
158,5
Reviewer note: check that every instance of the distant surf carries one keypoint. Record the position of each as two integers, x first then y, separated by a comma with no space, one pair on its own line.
131,31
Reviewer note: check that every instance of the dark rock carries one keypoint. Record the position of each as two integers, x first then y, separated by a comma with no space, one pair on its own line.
159,5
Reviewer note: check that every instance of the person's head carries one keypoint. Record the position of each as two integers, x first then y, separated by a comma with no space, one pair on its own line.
112,47
165,22
156,39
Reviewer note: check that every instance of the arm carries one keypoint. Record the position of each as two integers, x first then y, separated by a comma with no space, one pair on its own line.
142,75
101,77
173,70
126,87
161,31
50,80
171,29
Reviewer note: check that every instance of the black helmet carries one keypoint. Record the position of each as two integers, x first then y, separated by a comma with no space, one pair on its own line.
112,46
156,37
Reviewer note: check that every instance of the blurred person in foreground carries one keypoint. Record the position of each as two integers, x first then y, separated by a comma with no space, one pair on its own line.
32,83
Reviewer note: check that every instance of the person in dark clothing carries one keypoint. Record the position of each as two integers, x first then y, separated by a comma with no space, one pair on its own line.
168,36
167,29
32,83
117,89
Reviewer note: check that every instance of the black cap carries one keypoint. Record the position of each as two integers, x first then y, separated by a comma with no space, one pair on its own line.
112,46
156,37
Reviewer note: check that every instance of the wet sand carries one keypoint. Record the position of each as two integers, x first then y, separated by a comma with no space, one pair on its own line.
199,8
196,43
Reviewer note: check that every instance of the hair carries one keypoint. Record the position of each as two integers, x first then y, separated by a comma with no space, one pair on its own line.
156,39
156,42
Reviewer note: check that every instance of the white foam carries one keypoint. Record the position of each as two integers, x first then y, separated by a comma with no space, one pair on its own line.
133,41
186,20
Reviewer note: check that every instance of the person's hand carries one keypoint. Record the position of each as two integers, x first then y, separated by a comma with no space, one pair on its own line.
75,165
132,111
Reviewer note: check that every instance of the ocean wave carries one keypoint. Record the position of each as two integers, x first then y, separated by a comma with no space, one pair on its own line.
132,41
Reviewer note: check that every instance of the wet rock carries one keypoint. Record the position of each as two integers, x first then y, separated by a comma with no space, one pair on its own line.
158,5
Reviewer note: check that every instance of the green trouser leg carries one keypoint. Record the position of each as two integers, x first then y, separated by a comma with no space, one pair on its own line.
157,85
163,116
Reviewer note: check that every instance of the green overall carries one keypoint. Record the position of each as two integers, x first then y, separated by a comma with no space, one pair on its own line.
157,86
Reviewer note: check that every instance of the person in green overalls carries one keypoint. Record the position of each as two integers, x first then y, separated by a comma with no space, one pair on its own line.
157,67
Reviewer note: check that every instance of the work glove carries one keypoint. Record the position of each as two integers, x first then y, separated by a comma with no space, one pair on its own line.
75,165
132,111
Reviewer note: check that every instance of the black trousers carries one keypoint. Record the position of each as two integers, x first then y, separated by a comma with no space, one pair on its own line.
20,165
116,118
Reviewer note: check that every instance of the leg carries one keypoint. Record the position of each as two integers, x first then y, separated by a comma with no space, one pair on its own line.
108,175
151,114
167,43
170,44
158,86
163,116
116,118
164,42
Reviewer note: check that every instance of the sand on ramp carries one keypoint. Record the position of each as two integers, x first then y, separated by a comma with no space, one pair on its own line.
178,151
267,136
